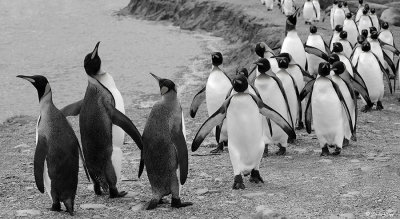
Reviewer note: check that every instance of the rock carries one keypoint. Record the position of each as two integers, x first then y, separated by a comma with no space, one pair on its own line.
29,188
201,191
289,157
131,195
138,206
254,194
200,197
27,212
92,206
325,161
263,212
392,16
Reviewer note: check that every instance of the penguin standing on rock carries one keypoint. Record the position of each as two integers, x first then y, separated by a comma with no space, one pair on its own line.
97,115
56,161
245,130
165,152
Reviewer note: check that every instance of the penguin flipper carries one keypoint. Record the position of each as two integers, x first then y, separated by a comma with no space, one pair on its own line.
196,102
72,109
389,47
306,90
389,62
252,76
317,52
346,109
180,146
328,51
214,120
308,113
270,113
385,72
141,164
38,161
298,99
126,124
83,162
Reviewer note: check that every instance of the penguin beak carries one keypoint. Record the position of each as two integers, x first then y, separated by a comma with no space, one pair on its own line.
94,53
258,63
156,77
28,78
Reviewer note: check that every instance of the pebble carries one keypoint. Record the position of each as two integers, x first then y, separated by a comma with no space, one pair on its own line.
264,212
92,206
254,194
355,161
28,188
218,179
366,169
27,212
354,193
200,197
347,196
325,161
204,175
201,191
288,157
300,150
138,207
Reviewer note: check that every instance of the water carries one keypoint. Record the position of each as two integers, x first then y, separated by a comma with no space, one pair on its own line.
51,38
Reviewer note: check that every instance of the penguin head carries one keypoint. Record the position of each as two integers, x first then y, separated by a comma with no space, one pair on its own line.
92,62
40,82
216,58
343,35
349,15
360,39
263,65
243,71
366,7
335,2
240,83
372,10
337,47
340,5
364,32
345,4
291,21
374,35
260,49
283,62
385,25
333,58
313,29
339,28
372,29
365,11
324,69
287,56
338,67
366,46
166,85
361,2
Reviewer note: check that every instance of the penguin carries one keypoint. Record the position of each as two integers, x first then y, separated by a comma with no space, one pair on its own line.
372,70
292,43
386,36
288,7
309,12
56,160
357,49
165,153
347,90
345,7
268,83
269,4
97,113
214,92
359,10
351,28
325,109
376,47
364,22
332,14
262,2
335,36
315,40
347,47
374,19
245,130
339,15
317,8
262,50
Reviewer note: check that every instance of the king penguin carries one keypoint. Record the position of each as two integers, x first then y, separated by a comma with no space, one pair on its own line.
317,7
374,19
309,12
97,114
346,7
335,36
214,93
56,160
269,4
386,36
332,13
351,28
339,15
347,47
359,10
364,22
357,49
245,130
288,7
165,153
325,109
315,40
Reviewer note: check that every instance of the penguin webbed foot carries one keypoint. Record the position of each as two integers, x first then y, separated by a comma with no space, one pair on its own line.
69,205
219,149
176,203
265,154
115,194
255,177
152,204
97,189
325,151
354,137
238,182
300,126
379,105
55,207
281,151
337,151
366,108
346,142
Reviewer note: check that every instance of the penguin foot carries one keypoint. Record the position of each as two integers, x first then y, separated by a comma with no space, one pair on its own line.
238,182
281,151
300,126
55,207
116,194
97,189
176,203
379,105
366,108
152,204
265,154
69,205
163,201
255,177
337,151
345,142
354,137
290,140
325,151
219,149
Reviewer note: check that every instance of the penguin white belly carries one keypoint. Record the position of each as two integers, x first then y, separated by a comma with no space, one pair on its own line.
338,17
370,71
355,56
308,11
332,15
386,36
296,73
269,4
350,105
375,22
347,63
352,33
312,60
274,65
267,86
335,38
364,23
347,50
46,178
327,113
245,136
290,93
318,7
293,45
377,50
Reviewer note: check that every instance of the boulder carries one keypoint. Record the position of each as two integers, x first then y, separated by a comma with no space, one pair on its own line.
392,16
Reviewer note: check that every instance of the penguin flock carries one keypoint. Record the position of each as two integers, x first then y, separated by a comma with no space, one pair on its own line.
314,85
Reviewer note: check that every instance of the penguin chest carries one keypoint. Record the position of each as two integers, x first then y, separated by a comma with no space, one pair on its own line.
377,50
347,63
370,71
364,23
335,38
350,27
347,50
293,45
218,86
386,36
339,17
313,60
290,90
296,73
308,11
356,55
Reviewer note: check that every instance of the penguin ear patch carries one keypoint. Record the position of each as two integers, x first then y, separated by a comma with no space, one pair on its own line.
164,90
